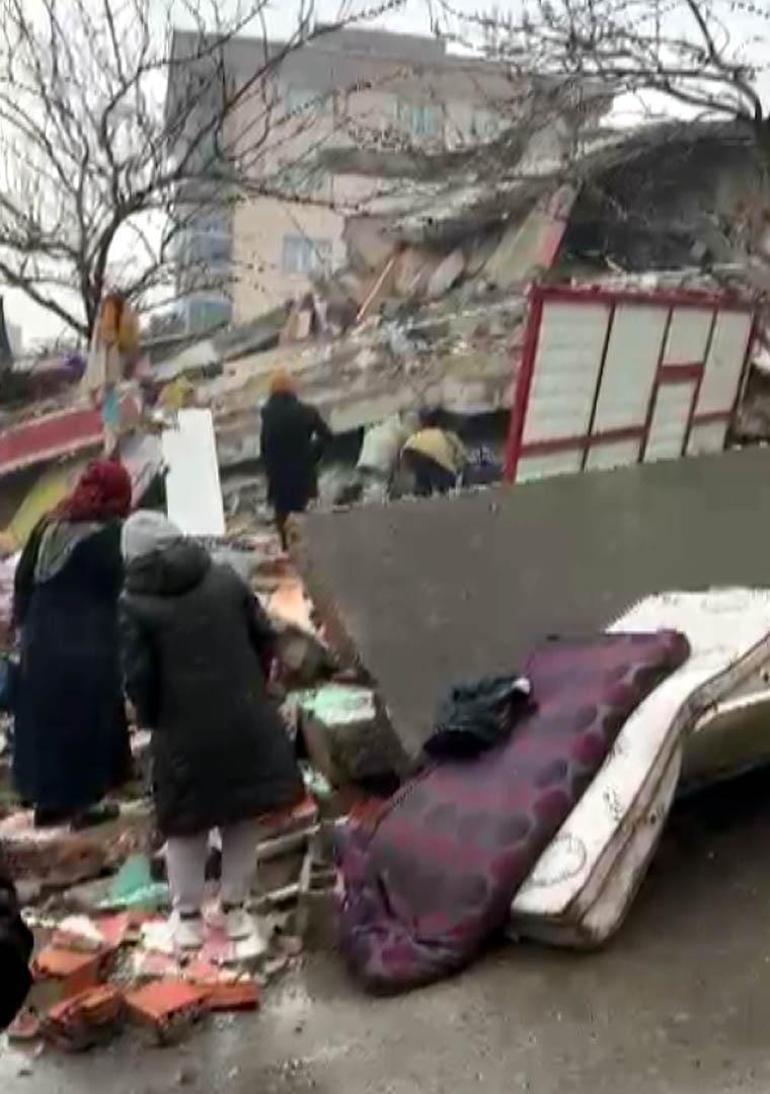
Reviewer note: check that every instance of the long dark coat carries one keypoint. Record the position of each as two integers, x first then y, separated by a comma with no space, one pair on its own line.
292,442
70,742
193,640
15,952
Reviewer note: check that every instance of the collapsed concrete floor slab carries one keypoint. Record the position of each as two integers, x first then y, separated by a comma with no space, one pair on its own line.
425,593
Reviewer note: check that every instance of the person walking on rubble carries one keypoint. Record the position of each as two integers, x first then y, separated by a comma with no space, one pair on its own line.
435,457
70,745
294,436
196,654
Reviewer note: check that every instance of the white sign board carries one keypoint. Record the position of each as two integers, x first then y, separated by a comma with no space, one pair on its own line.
193,493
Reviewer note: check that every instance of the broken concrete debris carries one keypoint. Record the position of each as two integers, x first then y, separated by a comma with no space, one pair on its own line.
348,738
434,316
53,856
585,523
103,954
92,1017
166,1008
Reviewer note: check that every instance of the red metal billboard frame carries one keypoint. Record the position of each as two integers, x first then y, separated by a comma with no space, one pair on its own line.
541,295
56,435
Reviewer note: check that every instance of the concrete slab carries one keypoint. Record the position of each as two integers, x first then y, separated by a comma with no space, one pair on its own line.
427,593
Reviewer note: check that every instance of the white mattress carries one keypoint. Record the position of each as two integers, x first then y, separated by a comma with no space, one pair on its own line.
729,635
604,908
732,737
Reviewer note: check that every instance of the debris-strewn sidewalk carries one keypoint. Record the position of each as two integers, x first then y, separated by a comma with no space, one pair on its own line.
98,900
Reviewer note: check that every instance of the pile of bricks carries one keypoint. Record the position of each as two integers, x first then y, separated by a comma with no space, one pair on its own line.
84,993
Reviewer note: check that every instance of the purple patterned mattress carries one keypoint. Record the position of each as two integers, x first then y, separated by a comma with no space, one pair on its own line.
426,884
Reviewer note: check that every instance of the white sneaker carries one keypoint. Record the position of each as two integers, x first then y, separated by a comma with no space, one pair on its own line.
241,927
187,931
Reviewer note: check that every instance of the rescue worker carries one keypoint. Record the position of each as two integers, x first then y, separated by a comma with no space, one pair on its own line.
435,457
380,451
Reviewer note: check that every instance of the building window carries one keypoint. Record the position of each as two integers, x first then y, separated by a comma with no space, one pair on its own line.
209,248
204,312
306,98
422,120
305,256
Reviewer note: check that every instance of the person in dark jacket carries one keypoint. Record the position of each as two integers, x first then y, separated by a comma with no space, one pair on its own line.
70,742
15,952
195,646
293,439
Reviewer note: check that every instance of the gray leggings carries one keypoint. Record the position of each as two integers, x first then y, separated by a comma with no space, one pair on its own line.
186,862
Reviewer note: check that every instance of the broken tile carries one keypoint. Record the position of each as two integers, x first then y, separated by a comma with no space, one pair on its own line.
237,996
79,971
167,1008
89,1018
98,1005
115,930
148,965
204,973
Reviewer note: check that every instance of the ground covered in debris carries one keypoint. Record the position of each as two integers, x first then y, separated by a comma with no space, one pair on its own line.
679,1002
98,899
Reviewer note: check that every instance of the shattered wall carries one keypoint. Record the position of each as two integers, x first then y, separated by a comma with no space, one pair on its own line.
671,204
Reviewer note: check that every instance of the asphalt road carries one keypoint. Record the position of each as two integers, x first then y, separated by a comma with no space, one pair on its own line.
680,1002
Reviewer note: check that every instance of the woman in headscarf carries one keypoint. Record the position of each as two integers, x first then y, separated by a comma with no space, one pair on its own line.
197,649
293,439
70,734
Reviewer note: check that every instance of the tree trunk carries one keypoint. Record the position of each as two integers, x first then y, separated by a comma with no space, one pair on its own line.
6,353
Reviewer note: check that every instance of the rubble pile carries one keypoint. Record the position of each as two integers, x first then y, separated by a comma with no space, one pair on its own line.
98,900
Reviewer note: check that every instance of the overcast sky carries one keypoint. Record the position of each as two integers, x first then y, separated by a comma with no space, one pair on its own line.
413,18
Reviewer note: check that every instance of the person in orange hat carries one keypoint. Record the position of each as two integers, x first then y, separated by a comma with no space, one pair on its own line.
294,437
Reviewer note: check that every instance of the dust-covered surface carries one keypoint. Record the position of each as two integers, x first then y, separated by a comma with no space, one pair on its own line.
680,1002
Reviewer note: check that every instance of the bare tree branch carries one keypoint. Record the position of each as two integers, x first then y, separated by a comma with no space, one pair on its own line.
681,48
97,161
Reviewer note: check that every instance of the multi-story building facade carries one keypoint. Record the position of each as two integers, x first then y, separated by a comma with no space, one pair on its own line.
354,88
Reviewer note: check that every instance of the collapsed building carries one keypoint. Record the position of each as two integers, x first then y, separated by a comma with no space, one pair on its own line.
432,305
436,305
